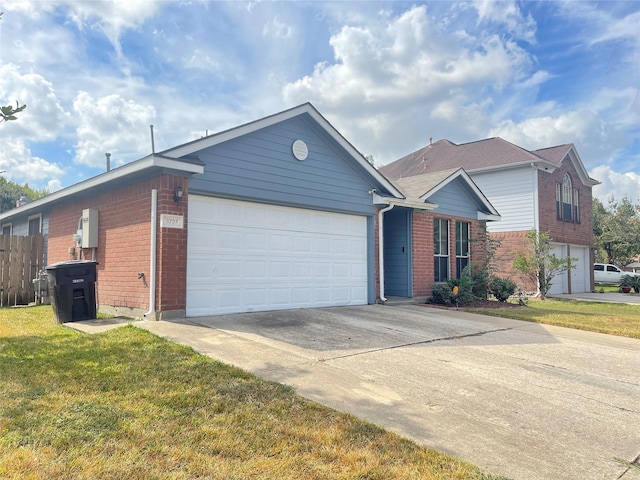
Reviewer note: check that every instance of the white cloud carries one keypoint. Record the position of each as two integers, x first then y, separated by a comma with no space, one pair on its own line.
277,28
507,13
22,167
616,184
44,116
427,81
111,124
540,132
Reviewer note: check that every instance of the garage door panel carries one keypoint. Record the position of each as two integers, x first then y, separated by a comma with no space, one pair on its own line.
249,257
580,271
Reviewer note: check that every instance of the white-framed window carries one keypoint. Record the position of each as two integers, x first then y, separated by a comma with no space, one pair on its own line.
462,246
6,229
441,249
567,206
35,225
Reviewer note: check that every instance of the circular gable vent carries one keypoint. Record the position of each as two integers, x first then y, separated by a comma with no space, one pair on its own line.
300,150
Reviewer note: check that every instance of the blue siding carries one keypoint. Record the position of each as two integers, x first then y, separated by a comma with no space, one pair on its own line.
260,167
397,256
455,199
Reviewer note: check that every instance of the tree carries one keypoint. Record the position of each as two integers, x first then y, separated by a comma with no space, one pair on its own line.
7,112
10,192
616,230
539,265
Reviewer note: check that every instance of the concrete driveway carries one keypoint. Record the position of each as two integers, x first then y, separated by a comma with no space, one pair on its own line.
519,399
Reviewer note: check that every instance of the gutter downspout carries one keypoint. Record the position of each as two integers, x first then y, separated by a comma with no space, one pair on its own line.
381,250
152,263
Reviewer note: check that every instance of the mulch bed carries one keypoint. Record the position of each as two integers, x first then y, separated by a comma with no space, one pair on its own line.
476,304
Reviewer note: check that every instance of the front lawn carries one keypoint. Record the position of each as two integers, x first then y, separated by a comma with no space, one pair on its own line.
128,404
611,318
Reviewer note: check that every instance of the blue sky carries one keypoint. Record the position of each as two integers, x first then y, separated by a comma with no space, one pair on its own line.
387,75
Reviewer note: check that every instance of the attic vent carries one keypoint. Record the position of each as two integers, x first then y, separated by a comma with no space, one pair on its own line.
300,150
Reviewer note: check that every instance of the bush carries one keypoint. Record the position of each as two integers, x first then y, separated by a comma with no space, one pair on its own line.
479,280
443,293
502,288
632,281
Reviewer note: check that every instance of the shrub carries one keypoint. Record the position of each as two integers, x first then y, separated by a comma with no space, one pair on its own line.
632,281
502,288
480,276
443,293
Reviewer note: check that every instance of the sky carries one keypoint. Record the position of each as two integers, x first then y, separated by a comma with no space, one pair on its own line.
388,75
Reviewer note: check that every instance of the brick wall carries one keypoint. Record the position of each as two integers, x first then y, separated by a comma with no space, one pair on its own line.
422,253
510,244
422,241
124,236
561,231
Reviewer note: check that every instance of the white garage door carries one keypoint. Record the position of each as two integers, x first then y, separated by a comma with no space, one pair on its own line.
245,257
559,283
580,271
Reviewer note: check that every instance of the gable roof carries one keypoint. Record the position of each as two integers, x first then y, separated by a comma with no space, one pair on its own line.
483,155
193,147
422,187
149,163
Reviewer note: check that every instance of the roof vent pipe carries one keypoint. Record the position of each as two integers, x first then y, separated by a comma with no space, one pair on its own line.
153,145
108,155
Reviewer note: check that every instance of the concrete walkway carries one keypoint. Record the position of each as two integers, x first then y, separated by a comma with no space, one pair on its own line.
607,297
523,400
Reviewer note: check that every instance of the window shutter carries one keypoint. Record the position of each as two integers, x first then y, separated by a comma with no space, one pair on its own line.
558,201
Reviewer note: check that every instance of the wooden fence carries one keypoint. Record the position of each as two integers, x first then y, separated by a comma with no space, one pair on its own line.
21,258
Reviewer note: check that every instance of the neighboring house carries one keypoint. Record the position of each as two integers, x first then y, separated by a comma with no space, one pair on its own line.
548,190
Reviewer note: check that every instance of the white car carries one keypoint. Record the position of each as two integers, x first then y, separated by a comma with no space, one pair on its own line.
607,273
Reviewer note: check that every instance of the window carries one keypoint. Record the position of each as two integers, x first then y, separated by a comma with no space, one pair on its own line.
35,224
441,249
462,247
7,229
598,267
567,206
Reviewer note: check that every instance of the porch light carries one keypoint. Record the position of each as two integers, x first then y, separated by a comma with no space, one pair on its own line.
177,194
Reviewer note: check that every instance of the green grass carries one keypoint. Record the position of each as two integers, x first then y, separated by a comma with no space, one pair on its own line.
610,318
128,404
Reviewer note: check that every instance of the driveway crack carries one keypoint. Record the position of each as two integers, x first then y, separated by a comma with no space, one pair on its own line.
412,344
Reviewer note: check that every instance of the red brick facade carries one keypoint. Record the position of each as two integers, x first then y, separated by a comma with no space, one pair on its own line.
124,236
422,249
562,232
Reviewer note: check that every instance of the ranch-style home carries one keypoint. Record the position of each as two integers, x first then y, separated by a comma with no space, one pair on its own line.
279,213
548,190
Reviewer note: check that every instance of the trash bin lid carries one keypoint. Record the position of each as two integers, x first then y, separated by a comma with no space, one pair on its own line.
70,264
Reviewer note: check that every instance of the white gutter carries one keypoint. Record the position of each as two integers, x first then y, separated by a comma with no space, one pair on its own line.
381,250
152,262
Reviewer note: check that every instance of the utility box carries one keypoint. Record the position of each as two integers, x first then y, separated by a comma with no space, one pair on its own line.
72,290
89,228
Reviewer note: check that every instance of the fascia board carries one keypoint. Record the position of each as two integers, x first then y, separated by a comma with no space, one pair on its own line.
582,172
461,173
151,161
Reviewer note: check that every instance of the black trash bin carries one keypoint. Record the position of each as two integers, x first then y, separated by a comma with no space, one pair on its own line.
72,289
